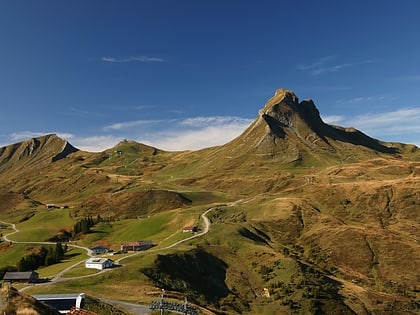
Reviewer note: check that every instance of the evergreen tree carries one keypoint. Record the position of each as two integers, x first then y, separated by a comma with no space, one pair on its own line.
59,251
51,258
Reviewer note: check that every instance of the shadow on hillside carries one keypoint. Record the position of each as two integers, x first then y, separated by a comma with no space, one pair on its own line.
253,236
72,255
194,273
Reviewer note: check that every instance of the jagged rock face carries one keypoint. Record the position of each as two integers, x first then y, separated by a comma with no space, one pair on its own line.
48,148
289,130
286,117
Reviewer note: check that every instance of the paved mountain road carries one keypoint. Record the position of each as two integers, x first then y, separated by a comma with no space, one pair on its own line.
134,308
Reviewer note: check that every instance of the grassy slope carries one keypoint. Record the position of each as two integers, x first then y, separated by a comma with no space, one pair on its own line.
316,213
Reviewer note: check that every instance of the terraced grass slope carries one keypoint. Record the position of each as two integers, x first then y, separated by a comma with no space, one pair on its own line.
306,217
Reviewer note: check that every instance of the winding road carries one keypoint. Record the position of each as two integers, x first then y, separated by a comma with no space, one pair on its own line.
136,309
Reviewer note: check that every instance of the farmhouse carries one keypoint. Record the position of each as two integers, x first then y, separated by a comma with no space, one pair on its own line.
136,246
99,263
190,229
99,250
24,276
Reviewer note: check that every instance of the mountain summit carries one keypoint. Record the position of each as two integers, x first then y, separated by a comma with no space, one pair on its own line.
48,148
293,131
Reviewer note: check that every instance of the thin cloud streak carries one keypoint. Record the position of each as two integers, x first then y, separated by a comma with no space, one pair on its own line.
399,121
332,119
215,121
384,126
132,59
24,135
315,65
325,65
130,124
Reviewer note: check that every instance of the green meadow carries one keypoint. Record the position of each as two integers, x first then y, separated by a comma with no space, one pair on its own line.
43,225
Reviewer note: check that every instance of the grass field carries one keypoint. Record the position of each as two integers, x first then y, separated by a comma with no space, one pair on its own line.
43,225
73,256
11,254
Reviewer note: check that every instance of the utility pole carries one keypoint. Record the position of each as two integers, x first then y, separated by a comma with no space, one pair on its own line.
185,306
161,302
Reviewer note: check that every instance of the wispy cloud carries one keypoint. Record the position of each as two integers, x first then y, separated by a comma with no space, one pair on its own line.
23,135
316,65
95,143
400,121
198,133
327,64
132,59
130,124
398,125
365,100
182,134
333,119
215,121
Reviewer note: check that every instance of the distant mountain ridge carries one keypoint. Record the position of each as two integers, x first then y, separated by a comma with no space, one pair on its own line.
48,148
285,128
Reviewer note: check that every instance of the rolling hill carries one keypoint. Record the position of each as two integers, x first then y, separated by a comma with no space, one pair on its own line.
306,217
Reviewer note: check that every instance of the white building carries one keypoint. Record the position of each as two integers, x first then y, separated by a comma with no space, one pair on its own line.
63,302
99,263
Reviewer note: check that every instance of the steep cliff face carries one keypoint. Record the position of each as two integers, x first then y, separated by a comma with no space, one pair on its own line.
48,148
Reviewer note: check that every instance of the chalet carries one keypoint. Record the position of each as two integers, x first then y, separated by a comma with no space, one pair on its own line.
51,206
190,229
97,250
22,276
136,246
99,263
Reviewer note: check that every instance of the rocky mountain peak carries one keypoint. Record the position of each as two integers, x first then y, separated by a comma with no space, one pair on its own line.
50,148
284,107
291,130
282,96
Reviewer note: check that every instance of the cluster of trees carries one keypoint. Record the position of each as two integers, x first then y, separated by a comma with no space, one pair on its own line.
45,256
83,226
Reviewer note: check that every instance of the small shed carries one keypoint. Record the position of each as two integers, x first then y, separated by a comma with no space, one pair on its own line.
21,276
190,229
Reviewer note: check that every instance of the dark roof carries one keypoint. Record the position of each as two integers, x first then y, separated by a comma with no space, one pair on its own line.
138,243
99,247
19,275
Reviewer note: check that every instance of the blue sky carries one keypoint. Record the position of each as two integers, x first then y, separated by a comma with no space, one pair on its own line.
187,74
